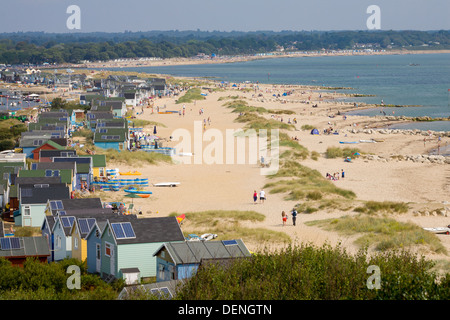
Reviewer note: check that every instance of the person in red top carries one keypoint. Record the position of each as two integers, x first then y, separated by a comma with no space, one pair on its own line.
255,196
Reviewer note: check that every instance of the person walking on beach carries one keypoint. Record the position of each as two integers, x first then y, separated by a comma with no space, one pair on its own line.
262,196
255,197
342,173
294,216
284,217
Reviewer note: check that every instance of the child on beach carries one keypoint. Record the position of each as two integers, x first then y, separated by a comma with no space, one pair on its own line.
255,197
284,217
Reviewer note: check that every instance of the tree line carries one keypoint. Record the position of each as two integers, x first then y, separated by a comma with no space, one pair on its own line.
38,48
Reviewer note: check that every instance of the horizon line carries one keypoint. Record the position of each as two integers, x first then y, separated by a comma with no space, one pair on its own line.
223,31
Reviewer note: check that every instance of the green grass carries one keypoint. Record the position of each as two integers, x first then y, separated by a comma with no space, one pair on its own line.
307,127
227,224
139,123
336,152
371,207
135,157
256,122
303,181
382,233
241,106
300,152
190,96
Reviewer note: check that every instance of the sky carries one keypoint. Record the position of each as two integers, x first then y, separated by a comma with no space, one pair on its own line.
222,15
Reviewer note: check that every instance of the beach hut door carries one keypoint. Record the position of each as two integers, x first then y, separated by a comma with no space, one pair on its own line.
97,255
112,261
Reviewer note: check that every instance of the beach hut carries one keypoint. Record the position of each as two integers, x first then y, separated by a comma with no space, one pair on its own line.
130,243
177,261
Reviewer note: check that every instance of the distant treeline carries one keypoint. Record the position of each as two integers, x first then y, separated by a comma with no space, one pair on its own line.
37,47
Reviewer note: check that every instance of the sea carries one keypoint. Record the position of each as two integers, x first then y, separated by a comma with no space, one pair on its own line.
420,83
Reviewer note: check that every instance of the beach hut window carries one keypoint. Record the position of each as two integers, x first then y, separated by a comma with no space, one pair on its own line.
107,249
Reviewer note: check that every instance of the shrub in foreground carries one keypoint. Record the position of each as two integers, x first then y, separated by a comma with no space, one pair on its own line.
325,273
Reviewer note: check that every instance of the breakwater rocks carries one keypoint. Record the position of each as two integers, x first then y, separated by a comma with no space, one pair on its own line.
424,133
420,158
443,212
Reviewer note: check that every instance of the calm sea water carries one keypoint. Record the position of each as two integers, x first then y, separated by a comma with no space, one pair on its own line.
420,80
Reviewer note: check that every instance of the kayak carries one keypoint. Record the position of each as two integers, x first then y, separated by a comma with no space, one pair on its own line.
136,191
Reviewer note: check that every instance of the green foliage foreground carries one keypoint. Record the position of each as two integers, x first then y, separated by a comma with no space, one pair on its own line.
309,273
42,281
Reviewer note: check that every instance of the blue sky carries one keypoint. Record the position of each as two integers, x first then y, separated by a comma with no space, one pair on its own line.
224,15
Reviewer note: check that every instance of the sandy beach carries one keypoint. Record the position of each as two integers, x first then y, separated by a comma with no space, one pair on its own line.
155,62
230,186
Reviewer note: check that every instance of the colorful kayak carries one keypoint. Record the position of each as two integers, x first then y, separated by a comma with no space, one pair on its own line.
139,192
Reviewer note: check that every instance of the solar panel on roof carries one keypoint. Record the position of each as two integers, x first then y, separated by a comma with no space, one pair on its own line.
91,222
15,243
166,292
229,242
118,231
84,227
59,204
128,229
48,173
67,221
123,230
5,243
155,292
56,205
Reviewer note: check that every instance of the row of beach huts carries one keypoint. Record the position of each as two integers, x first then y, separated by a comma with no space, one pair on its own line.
39,187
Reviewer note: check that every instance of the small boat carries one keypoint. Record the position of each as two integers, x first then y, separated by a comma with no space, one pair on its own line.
348,141
367,141
208,236
139,192
143,195
166,184
439,230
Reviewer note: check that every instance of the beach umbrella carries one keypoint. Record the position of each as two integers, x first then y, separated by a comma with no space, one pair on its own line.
132,196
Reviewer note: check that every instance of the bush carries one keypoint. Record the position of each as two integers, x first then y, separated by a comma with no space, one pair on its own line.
371,207
336,152
310,273
48,281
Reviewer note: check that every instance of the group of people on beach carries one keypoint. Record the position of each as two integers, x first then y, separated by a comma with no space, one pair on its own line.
335,176
284,216
262,196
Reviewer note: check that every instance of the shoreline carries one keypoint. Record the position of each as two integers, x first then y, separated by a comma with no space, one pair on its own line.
157,62
388,171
